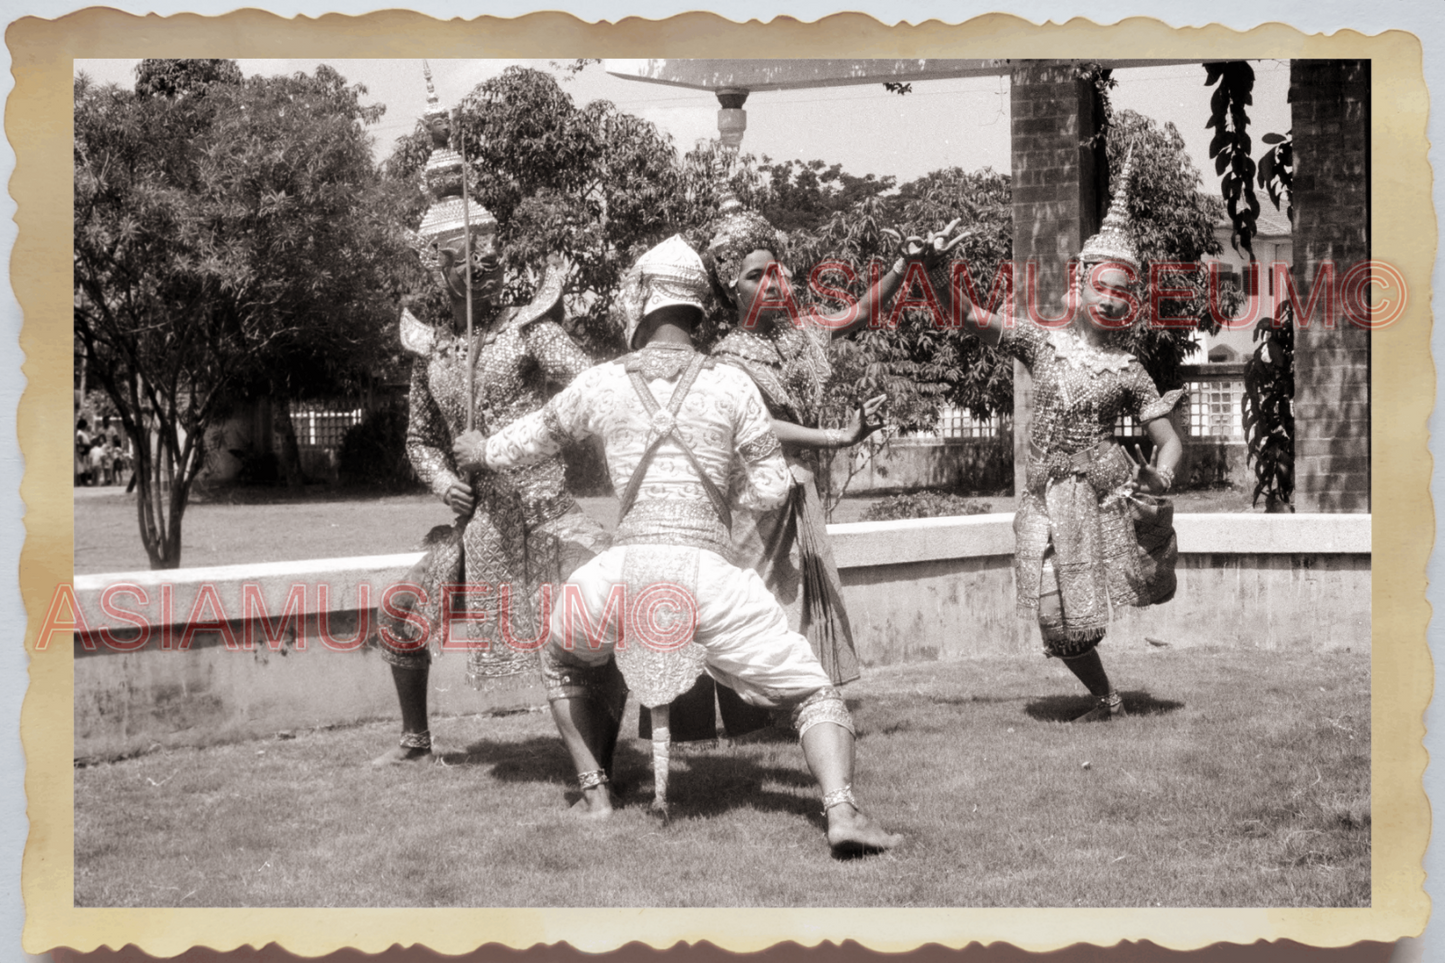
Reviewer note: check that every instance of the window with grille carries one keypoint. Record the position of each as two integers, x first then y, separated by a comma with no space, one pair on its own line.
319,425
1216,410
957,424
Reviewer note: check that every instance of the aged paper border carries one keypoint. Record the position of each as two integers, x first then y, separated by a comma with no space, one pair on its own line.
38,125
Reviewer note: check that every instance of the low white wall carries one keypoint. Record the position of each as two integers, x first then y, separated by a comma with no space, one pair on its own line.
923,589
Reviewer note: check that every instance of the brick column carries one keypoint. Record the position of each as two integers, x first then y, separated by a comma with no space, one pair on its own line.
1056,197
1330,114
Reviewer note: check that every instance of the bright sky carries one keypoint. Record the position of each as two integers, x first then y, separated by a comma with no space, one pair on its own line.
868,130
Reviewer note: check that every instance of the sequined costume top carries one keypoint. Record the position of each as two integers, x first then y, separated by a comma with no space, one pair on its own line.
526,529
513,367
789,364
722,420
1073,504
1080,390
789,547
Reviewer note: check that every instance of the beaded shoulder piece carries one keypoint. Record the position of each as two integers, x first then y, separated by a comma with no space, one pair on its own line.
1079,354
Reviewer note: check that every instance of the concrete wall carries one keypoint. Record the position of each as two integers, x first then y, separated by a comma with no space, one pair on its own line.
918,590
986,464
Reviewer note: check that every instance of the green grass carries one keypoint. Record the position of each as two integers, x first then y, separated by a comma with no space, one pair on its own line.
1239,779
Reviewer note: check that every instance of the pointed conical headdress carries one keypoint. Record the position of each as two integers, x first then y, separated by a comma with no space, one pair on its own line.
735,233
446,219
1114,242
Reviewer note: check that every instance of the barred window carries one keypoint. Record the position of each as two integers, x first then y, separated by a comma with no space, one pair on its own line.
957,424
322,425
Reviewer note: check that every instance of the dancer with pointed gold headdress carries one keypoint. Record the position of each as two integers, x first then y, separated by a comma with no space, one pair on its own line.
788,362
517,529
1090,529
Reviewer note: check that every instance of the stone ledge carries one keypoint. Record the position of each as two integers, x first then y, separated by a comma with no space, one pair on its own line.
865,544
859,545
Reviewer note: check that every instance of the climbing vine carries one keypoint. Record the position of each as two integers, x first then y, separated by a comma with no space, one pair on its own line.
1269,411
1276,171
1230,149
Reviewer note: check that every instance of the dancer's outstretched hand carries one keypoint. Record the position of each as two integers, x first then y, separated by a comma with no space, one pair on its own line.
1147,477
865,419
931,249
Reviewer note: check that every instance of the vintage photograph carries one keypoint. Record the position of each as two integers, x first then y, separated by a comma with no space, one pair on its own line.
866,483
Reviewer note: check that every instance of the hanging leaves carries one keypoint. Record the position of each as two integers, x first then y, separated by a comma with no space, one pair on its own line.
1269,411
1276,170
1230,149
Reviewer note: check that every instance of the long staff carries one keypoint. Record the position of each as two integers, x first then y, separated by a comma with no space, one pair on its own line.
467,250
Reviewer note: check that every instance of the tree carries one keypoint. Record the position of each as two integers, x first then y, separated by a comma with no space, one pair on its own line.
802,196
177,78
592,183
230,239
920,364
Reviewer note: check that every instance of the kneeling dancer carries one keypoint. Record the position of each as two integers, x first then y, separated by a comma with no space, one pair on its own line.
679,432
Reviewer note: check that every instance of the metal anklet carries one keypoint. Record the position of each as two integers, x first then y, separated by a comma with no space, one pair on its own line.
592,779
416,740
838,797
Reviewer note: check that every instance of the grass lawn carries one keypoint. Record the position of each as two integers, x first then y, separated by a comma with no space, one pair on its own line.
232,526
1239,779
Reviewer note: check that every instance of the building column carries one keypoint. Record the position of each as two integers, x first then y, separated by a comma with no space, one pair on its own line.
1330,115
1058,188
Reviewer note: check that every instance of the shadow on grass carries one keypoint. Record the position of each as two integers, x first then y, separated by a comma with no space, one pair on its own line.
703,783
537,759
1068,708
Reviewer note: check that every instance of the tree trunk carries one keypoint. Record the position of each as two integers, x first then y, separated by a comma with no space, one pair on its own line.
288,451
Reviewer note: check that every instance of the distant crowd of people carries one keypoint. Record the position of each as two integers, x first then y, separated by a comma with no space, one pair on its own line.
102,457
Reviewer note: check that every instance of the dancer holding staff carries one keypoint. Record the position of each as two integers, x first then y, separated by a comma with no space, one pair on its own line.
517,529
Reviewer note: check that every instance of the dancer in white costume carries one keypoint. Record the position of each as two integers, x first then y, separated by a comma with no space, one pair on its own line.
686,440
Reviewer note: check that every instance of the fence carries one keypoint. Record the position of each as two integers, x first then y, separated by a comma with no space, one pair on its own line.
320,427
1216,404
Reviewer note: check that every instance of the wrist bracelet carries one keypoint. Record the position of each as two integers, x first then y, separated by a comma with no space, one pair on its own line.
1167,474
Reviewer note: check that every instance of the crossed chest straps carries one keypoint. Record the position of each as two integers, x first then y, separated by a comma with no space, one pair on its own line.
664,426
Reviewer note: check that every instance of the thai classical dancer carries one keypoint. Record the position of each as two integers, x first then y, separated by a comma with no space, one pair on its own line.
688,441
787,360
515,529
1087,523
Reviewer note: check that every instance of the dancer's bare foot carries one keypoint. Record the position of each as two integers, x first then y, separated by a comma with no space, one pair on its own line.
853,833
1107,708
400,756
595,803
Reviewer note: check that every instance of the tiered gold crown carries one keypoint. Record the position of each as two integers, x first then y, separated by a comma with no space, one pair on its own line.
450,212
732,236
1115,242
